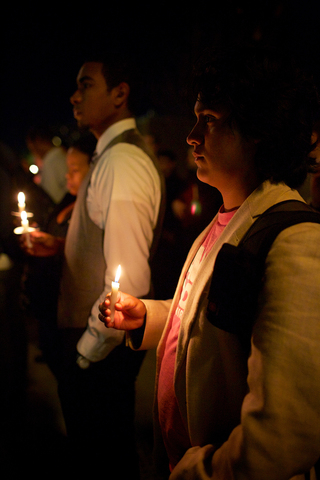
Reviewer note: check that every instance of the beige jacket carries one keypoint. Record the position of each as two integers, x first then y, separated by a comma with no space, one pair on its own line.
255,419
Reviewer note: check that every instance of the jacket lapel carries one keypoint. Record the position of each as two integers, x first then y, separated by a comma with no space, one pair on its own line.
261,199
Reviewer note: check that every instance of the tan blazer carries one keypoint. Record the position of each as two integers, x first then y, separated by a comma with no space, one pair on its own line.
256,419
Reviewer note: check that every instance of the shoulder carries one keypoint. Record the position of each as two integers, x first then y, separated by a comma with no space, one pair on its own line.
123,155
126,152
302,237
292,272
128,162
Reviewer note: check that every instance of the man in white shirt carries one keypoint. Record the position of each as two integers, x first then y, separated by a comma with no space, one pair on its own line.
123,187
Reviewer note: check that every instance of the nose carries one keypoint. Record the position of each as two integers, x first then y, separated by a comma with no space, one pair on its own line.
194,137
75,98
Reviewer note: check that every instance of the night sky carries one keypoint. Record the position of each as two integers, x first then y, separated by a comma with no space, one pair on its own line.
42,50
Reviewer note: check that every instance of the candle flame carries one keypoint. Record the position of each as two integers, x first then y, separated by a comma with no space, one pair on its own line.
21,198
118,273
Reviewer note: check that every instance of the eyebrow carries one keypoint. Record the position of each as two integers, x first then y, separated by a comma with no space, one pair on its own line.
203,109
85,78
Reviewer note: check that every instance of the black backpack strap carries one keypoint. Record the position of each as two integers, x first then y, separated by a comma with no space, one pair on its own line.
238,271
267,227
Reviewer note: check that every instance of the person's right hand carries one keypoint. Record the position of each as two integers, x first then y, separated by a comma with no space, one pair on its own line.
129,312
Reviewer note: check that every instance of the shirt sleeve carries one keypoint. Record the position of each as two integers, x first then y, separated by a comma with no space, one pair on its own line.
123,200
279,433
156,317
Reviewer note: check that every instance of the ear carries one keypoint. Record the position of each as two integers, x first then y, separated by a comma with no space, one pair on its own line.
121,94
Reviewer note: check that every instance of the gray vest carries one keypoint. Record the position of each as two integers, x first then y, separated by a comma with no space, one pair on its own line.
84,265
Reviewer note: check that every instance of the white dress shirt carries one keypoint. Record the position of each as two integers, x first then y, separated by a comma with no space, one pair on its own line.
123,200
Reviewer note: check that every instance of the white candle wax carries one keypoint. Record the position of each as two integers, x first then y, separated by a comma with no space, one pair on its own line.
114,292
25,227
21,201
24,221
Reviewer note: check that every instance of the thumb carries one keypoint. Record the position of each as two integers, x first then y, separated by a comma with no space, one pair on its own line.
132,305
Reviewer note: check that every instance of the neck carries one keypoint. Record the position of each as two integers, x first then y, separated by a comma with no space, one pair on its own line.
225,210
234,196
99,130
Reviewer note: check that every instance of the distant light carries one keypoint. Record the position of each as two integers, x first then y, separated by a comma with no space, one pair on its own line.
195,207
34,169
57,141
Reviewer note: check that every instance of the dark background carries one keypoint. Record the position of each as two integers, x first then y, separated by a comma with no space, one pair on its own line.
43,47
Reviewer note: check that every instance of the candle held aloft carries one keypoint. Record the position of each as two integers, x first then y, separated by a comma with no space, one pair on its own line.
114,292
25,227
24,221
21,206
21,201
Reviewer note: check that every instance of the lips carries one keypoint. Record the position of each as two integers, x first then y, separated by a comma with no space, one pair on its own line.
197,156
76,113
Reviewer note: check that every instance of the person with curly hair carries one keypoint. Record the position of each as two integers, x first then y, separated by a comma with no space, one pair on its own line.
221,412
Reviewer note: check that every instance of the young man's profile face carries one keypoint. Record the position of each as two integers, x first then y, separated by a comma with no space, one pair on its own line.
92,102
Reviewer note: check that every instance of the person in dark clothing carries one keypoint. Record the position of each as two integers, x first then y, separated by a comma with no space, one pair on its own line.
123,185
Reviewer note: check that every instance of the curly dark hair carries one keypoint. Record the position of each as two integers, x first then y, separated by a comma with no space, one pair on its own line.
270,99
117,67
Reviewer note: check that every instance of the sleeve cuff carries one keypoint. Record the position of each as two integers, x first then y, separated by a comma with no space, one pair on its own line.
134,340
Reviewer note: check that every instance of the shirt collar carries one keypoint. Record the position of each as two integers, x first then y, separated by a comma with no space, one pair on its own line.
113,131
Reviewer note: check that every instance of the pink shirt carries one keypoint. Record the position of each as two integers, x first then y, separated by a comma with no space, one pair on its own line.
174,431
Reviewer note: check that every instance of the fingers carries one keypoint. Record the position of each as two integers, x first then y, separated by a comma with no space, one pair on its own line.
37,237
129,312
104,319
105,312
104,306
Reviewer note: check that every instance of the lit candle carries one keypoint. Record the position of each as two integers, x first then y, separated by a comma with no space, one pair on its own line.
114,292
21,206
21,202
25,227
24,221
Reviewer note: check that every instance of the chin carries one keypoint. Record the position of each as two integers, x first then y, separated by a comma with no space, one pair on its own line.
83,127
202,176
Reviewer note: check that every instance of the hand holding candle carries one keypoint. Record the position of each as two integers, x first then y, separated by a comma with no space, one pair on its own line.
114,293
131,312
